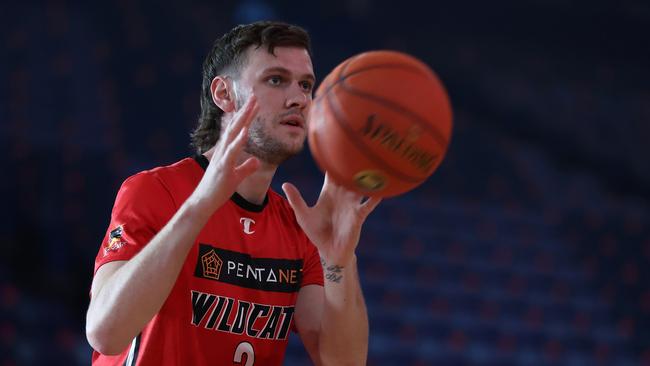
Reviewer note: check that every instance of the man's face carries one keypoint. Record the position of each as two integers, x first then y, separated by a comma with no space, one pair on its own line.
283,85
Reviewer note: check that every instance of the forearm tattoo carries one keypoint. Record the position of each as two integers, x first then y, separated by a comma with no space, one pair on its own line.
333,273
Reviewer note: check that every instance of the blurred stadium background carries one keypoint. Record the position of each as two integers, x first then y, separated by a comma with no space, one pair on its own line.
529,246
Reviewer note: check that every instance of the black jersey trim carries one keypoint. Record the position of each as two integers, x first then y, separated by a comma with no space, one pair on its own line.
202,160
249,206
236,197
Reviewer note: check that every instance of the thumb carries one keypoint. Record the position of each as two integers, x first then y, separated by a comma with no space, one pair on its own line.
295,199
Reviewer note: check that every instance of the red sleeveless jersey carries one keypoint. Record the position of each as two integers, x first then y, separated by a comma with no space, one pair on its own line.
233,301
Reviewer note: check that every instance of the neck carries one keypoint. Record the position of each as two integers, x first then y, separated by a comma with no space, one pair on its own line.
254,187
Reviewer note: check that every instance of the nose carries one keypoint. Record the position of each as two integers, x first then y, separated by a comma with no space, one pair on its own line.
297,98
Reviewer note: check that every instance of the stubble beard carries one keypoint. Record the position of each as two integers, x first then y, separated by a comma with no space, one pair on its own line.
263,146
267,148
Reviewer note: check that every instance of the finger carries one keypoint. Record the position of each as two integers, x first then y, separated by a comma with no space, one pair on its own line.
235,146
248,167
340,191
369,206
241,138
242,118
247,112
329,187
328,182
295,199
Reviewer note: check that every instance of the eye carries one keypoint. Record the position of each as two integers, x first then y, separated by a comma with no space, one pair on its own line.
306,85
274,80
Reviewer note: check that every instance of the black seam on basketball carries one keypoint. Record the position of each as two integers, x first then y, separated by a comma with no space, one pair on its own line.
342,77
383,66
337,78
422,122
342,122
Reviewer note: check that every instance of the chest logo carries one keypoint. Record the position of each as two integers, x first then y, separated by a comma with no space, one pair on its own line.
247,222
211,265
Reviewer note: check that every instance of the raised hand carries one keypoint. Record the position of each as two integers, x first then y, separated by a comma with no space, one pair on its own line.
334,223
224,174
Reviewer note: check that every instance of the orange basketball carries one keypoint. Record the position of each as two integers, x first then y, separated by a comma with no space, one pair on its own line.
380,123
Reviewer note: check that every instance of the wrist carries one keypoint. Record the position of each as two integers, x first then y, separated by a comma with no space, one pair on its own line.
344,261
335,270
198,209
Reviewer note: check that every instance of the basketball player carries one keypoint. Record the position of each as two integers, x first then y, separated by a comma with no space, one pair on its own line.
204,264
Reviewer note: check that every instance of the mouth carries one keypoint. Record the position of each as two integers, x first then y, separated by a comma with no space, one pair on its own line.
294,120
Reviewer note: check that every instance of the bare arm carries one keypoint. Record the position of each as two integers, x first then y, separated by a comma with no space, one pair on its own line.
332,320
126,295
345,320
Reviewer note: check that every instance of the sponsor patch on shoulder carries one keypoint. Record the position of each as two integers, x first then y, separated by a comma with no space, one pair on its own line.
115,240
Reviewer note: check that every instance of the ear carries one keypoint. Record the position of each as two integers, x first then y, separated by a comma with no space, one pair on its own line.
222,94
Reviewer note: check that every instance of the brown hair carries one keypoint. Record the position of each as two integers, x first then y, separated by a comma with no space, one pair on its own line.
227,57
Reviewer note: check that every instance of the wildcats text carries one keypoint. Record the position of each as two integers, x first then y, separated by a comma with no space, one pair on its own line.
225,314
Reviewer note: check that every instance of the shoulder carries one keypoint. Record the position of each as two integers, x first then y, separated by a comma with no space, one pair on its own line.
183,169
162,180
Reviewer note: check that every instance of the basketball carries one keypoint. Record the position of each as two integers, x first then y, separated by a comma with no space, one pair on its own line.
380,123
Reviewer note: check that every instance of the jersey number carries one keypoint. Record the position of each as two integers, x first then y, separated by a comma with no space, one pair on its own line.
247,348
